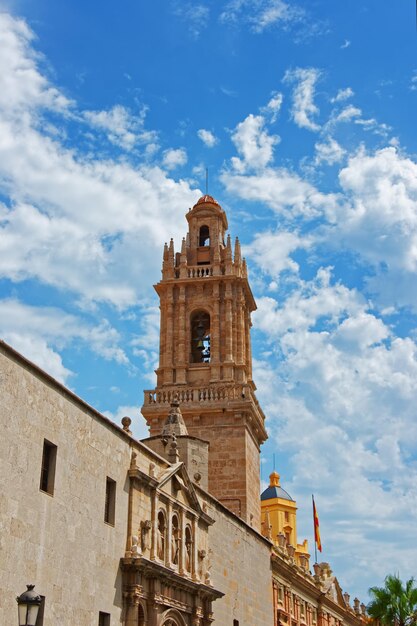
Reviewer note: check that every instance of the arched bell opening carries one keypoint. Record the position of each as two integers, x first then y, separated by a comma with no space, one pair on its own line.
200,337
204,236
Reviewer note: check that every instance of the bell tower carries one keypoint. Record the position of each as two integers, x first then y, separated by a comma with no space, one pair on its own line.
205,360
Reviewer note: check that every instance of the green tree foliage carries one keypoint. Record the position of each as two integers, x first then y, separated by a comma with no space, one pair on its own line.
394,604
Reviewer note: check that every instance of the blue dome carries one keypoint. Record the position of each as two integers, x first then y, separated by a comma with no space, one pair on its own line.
275,492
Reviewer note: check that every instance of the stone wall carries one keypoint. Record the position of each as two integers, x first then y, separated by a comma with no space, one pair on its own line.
58,542
239,562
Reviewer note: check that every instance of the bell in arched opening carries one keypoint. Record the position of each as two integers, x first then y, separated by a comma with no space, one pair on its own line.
200,337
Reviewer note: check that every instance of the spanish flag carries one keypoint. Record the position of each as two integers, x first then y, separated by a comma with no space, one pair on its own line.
316,527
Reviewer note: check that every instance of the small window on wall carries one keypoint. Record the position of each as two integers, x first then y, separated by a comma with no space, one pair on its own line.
47,480
235,622
103,619
200,337
110,503
204,237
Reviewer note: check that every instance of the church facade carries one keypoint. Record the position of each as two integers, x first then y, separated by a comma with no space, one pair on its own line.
170,530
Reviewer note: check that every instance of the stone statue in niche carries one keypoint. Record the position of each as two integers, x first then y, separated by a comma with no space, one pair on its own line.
144,534
160,538
188,554
175,546
135,549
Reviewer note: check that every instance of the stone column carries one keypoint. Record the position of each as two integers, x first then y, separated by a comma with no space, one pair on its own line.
170,337
181,556
194,550
183,341
131,599
235,306
248,325
154,522
228,371
168,535
215,335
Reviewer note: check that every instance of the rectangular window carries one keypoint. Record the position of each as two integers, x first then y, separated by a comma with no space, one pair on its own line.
103,619
48,467
110,504
235,622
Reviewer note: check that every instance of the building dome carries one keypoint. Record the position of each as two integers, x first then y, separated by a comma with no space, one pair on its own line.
275,490
207,199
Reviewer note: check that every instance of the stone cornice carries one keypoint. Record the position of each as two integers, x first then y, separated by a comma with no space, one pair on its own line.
152,569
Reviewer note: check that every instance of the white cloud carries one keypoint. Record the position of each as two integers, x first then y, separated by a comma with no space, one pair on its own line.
271,251
329,152
122,128
174,158
345,44
39,332
343,94
146,344
283,191
261,15
253,143
75,222
304,109
195,15
382,221
37,350
347,114
22,86
413,81
379,220
274,106
207,137
353,114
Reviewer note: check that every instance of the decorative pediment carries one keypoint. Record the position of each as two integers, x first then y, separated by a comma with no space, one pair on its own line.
175,480
334,592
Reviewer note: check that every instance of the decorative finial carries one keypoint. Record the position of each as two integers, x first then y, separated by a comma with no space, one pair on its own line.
126,422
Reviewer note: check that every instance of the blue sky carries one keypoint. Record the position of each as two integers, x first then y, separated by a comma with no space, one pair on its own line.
304,114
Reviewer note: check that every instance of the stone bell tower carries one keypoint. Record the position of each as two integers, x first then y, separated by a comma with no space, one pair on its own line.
205,360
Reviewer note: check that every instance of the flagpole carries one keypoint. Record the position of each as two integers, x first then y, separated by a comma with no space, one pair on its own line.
314,528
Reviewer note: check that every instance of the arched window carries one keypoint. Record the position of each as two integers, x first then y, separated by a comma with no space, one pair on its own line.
188,548
204,238
161,538
175,540
200,337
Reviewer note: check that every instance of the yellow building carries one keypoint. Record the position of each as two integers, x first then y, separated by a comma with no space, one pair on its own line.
279,520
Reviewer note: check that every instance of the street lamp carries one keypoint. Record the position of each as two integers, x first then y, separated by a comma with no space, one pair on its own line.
28,604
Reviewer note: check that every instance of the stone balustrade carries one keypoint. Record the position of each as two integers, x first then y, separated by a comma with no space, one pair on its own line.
197,395
199,271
